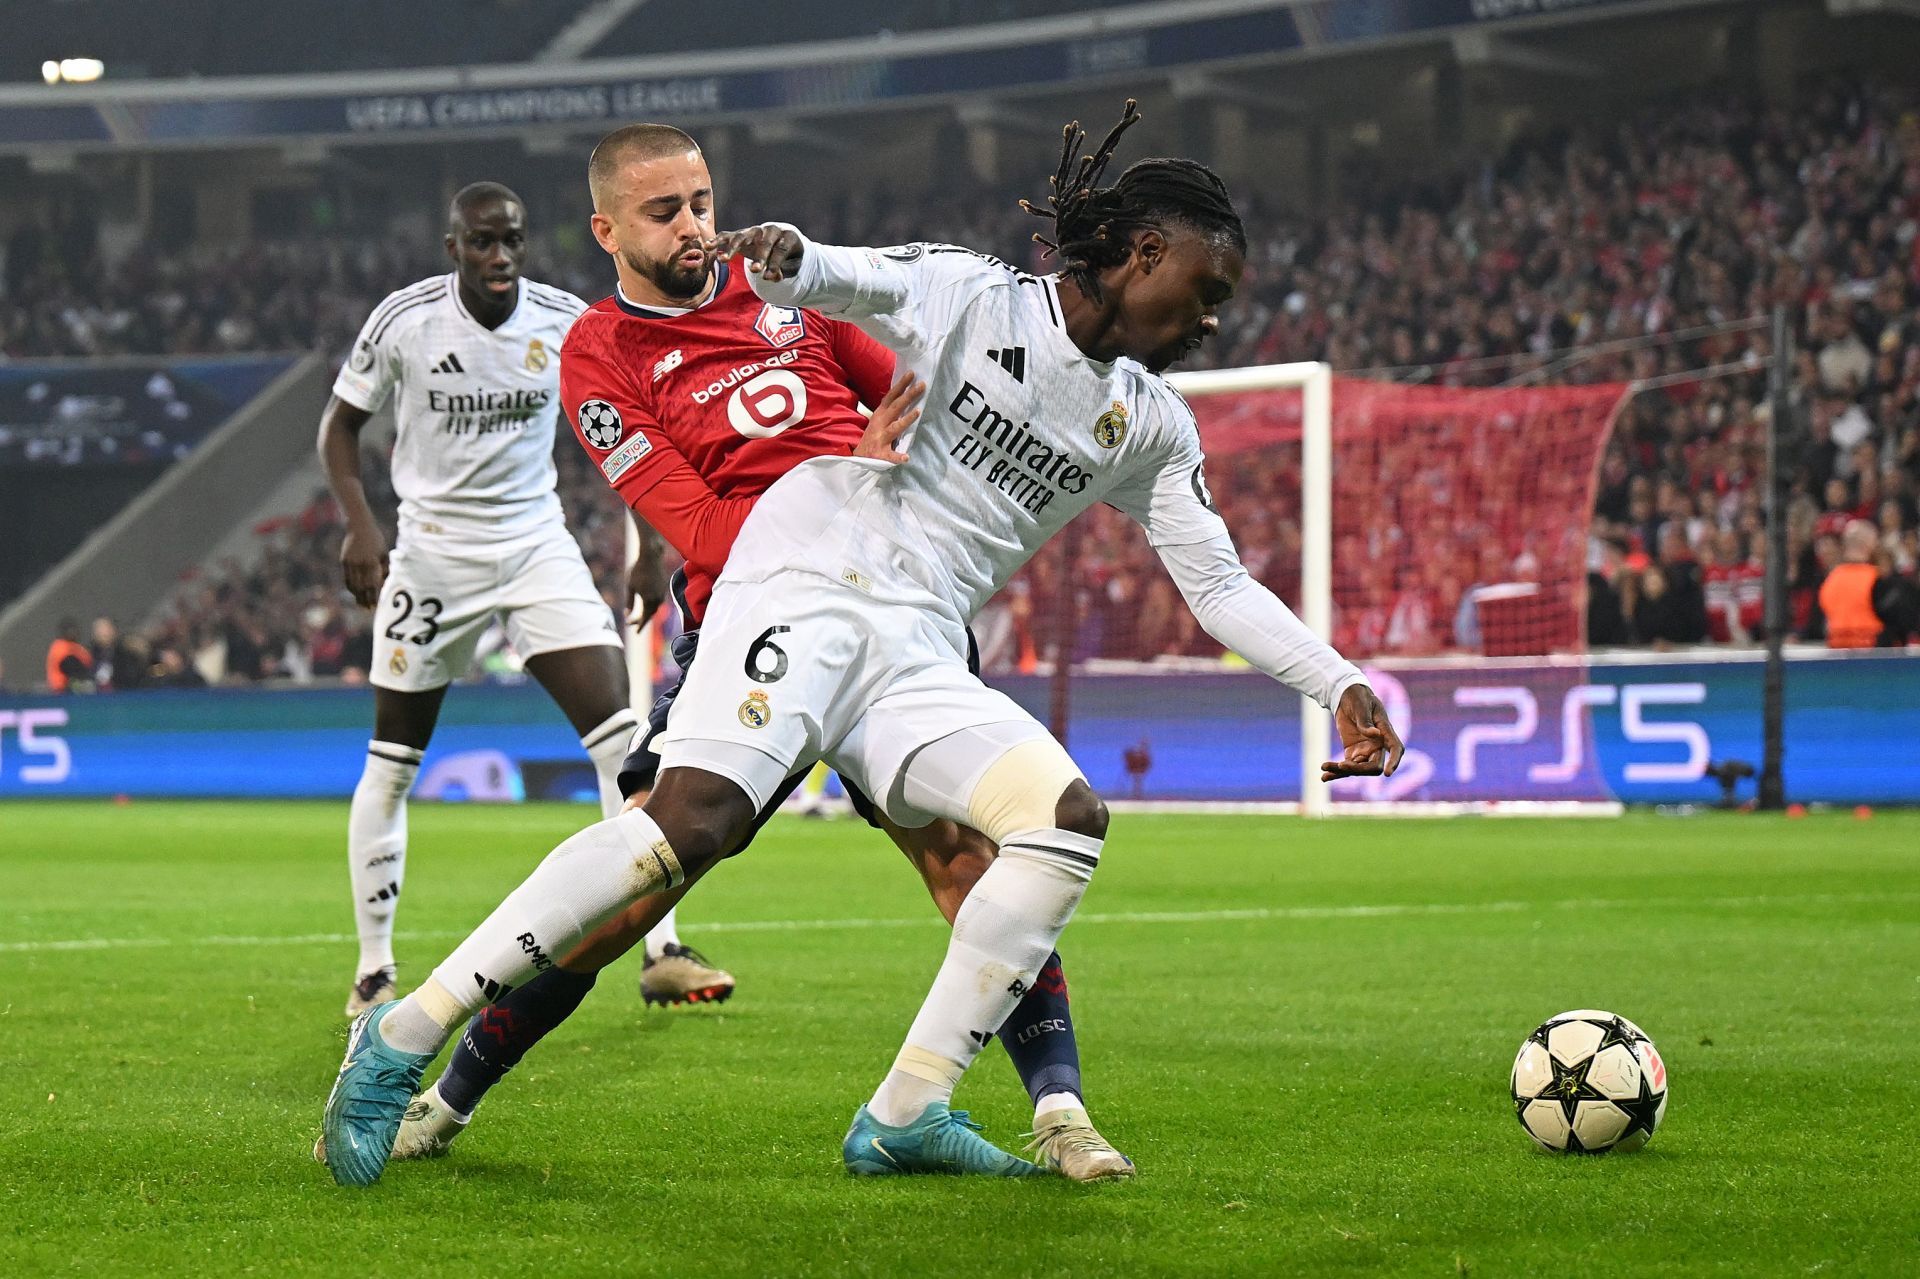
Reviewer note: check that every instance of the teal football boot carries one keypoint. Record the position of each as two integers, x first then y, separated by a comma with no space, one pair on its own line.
367,1102
940,1140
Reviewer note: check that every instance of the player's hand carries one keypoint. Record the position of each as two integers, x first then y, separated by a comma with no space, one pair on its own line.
646,588
772,251
895,416
363,557
1371,747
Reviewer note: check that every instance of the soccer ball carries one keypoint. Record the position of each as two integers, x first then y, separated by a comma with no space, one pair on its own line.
1589,1081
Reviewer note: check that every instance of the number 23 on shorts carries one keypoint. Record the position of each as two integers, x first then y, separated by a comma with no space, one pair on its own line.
425,626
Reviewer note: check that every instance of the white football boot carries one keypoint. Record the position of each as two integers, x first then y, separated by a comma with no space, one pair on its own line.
1070,1145
428,1128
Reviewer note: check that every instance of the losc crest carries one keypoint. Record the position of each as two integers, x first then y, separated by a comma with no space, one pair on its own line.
780,325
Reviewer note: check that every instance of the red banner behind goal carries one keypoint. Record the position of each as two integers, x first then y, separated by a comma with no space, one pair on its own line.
1460,520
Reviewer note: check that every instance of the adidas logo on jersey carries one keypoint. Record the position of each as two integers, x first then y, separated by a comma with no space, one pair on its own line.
1013,359
449,365
668,363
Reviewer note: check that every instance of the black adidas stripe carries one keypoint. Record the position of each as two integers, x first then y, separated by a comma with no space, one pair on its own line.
396,314
410,293
624,725
393,759
553,306
1070,854
1052,309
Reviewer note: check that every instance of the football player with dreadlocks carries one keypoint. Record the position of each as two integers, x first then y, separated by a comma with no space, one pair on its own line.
838,629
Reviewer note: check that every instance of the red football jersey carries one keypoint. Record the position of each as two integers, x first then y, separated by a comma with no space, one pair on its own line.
692,416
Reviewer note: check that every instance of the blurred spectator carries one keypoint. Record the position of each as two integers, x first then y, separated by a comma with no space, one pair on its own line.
117,665
1846,596
1668,612
69,662
1606,625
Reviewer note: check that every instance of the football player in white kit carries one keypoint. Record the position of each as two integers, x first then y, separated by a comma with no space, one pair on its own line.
473,357
837,630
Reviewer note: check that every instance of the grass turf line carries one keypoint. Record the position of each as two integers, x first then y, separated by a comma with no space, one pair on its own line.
1303,1093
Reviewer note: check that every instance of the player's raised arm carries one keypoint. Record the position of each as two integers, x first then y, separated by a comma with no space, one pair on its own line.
901,295
1173,504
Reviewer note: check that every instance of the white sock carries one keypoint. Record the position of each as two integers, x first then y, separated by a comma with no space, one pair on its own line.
589,876
607,745
377,847
666,932
1052,1104
903,1097
1002,936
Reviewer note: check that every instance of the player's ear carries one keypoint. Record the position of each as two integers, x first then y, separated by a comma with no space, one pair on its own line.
1150,246
602,227
453,248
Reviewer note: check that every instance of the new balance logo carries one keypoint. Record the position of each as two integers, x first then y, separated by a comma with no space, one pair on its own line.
1013,359
449,365
668,363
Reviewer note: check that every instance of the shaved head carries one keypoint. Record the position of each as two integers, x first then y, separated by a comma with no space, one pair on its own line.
628,144
475,194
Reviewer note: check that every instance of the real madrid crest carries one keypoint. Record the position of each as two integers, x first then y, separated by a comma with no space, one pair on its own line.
754,712
398,662
1111,427
536,356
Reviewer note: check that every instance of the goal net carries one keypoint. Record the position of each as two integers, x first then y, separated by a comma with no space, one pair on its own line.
1415,526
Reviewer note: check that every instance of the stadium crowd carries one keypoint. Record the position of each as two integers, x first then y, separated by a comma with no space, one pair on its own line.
1648,248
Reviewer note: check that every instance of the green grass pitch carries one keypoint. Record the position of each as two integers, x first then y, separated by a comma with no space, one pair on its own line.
1300,1031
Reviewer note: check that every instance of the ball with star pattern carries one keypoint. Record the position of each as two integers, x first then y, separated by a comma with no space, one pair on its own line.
1588,1081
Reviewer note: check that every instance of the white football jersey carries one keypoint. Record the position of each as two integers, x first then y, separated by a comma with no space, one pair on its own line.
1019,433
476,407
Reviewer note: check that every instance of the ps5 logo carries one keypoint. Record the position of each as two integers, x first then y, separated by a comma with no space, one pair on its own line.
34,743
1633,699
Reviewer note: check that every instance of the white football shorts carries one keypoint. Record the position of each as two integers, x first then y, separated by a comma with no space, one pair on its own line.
438,599
800,667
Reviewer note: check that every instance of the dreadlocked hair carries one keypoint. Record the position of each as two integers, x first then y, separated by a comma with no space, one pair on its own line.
1093,225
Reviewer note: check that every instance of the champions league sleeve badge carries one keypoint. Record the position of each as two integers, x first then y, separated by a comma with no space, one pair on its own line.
600,423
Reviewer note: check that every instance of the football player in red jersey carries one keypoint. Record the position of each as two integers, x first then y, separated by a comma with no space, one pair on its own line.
694,396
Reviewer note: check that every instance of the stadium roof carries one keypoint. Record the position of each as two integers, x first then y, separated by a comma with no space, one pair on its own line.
981,64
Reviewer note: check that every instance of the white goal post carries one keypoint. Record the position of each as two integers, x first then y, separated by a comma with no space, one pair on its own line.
1315,384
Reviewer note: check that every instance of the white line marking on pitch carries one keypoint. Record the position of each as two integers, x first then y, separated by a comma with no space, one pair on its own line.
1252,914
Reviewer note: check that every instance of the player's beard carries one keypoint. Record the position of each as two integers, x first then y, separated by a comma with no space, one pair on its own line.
671,278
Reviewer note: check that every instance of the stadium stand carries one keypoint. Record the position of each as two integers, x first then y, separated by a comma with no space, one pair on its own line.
1645,248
